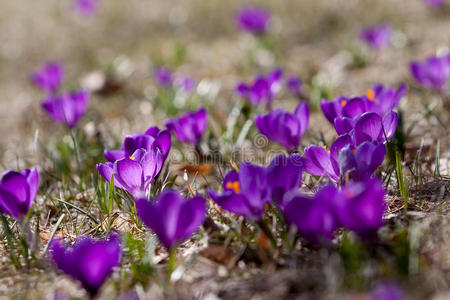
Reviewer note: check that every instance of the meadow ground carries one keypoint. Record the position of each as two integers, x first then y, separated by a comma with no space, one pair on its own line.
122,44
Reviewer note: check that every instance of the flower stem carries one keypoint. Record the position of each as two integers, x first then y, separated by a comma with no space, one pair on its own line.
171,262
268,233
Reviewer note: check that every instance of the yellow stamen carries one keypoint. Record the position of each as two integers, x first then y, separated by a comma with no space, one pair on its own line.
370,95
132,158
324,147
353,150
343,103
234,185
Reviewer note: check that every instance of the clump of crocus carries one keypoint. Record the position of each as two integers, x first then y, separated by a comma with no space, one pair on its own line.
245,192
189,127
376,37
284,174
295,86
18,191
263,89
433,72
88,260
49,78
253,19
86,7
378,99
363,207
314,217
284,127
67,108
172,217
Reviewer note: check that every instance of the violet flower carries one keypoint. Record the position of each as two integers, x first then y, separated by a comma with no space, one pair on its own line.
49,77
319,161
363,208
189,127
263,89
253,19
68,108
379,99
185,84
172,217
387,290
89,260
283,127
152,137
18,191
295,86
284,174
136,172
314,217
245,192
163,77
433,72
377,37
86,7
360,163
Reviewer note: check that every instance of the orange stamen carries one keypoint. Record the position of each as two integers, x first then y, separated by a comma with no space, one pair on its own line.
343,103
234,185
370,94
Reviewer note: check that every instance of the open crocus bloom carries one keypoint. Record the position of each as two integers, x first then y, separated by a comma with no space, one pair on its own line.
315,216
379,99
263,89
189,127
151,138
49,77
136,172
244,193
433,73
172,217
322,162
363,207
68,108
284,174
89,260
253,19
283,127
18,191
377,37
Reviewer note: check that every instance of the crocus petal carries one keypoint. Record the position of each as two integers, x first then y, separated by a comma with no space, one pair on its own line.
128,173
343,125
302,114
113,155
390,121
368,128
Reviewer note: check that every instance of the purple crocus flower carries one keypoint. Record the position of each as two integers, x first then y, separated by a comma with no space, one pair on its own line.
68,108
322,162
49,77
295,86
253,19
387,290
172,218
263,89
314,217
18,191
136,172
245,192
163,77
189,127
89,260
360,164
146,141
433,73
283,127
363,208
378,99
371,127
377,37
284,174
86,7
